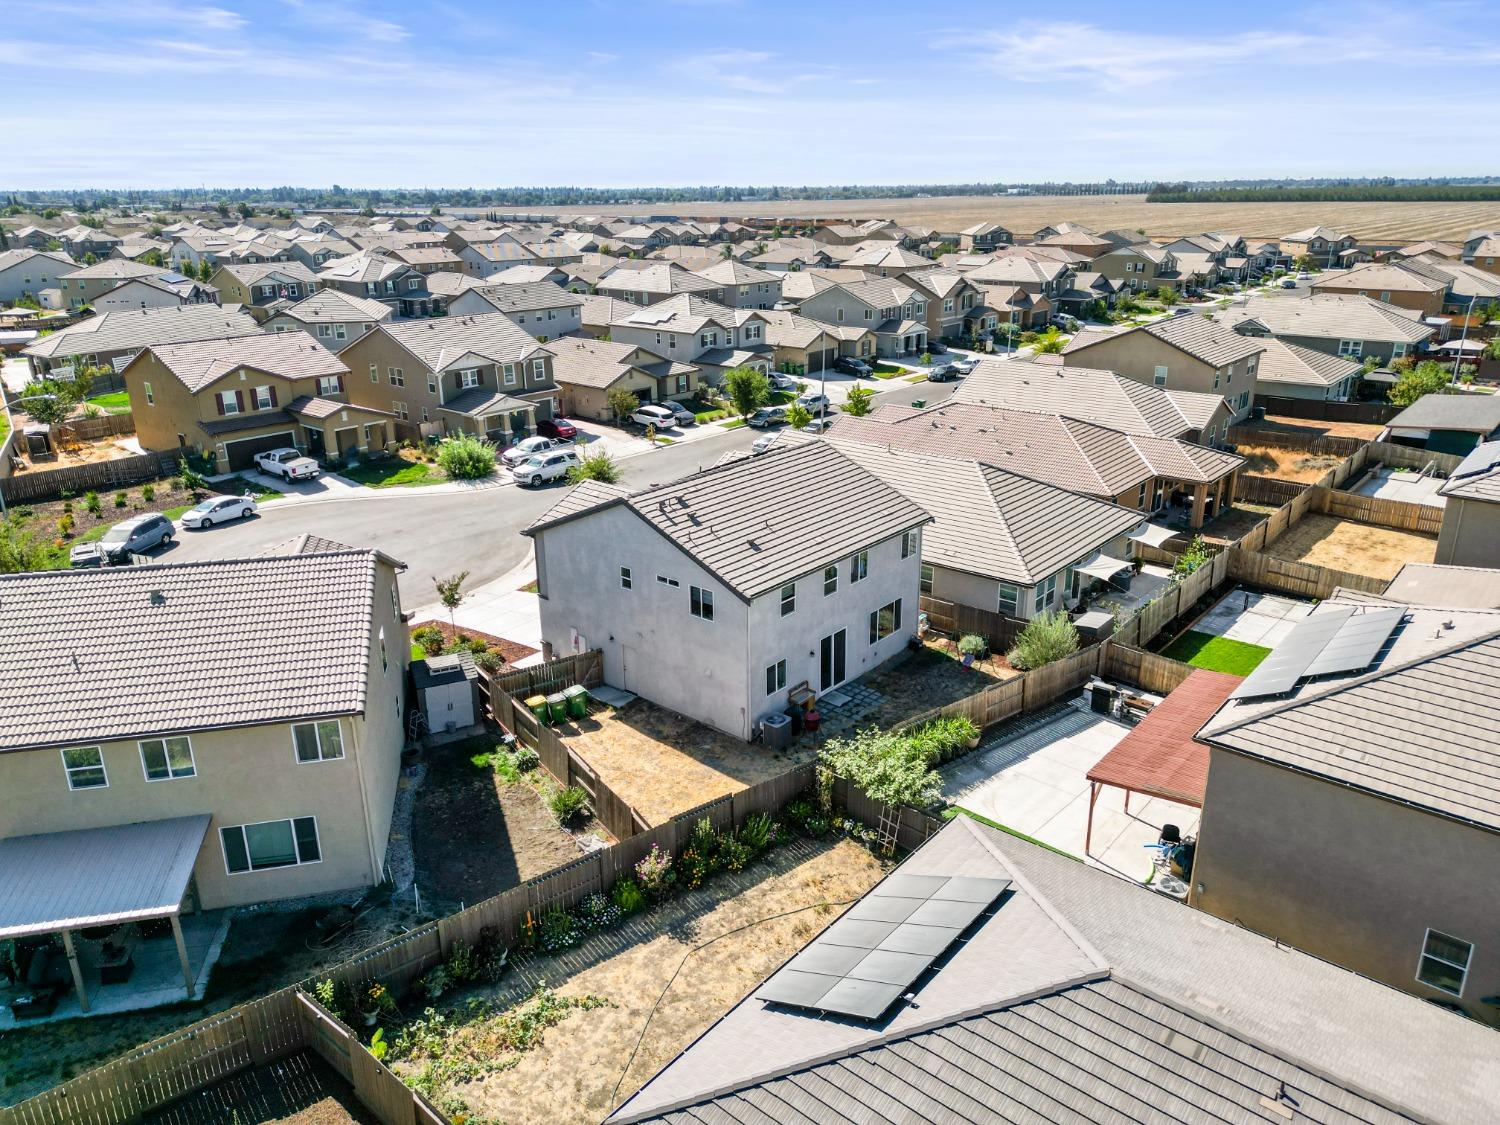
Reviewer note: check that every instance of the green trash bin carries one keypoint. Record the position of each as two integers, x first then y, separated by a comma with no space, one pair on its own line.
537,705
578,701
557,704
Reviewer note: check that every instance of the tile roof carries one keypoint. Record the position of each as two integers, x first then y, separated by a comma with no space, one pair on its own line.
1088,394
661,277
1329,316
528,296
123,329
1478,474
586,362
1307,234
1083,997
443,340
12,258
188,646
758,523
732,272
992,522
330,305
686,312
1467,413
1014,269
1376,276
1292,363
484,400
251,273
115,267
1203,339
290,355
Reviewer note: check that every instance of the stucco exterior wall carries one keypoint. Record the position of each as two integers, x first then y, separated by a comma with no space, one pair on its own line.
1470,534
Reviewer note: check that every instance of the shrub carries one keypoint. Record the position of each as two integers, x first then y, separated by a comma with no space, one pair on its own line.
889,768
598,466
493,956
560,930
747,389
526,759
736,854
378,1045
462,964
972,644
430,637
435,983
467,458
798,812
1196,555
757,832
798,416
120,500
569,804
694,868
1048,637
942,738
705,841
192,481
817,827
489,660
1424,378
628,896
858,402
655,874
148,493
1049,342
599,912
91,502
622,403
65,525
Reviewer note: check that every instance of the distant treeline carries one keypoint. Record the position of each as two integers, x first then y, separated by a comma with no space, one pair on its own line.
1333,193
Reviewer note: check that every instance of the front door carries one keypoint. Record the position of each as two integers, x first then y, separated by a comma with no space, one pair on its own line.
833,660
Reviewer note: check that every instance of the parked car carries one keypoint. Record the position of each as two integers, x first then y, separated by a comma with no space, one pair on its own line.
936,347
218,509
548,466
132,537
942,373
766,417
781,381
559,428
1303,275
1183,310
653,415
288,463
525,449
1065,322
683,416
851,366
814,401
965,364
762,443
1289,283
818,425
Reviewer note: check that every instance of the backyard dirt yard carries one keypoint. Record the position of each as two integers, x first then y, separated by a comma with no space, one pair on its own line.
299,1090
1312,427
1358,547
571,1076
930,678
662,763
1232,523
1371,222
1286,464
479,829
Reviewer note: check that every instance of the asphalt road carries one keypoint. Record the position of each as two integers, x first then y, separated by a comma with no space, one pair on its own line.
442,533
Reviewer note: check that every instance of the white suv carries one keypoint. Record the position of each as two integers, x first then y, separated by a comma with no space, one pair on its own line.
551,465
652,415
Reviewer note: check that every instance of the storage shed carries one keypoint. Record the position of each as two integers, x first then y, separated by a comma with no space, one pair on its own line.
446,691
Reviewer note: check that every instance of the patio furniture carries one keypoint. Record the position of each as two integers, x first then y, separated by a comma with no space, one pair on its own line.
116,964
46,980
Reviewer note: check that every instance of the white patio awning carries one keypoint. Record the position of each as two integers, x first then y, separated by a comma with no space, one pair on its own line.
1151,534
1103,567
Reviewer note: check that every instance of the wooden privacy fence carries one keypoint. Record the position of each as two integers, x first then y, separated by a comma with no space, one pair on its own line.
1367,412
1030,691
374,1084
1154,673
1409,457
1267,490
48,484
957,620
103,425
1141,627
1303,580
1291,439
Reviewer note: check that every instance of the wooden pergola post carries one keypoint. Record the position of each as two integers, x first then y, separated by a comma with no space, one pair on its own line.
1088,834
83,995
182,954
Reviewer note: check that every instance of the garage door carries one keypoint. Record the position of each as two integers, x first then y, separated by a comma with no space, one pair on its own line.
242,453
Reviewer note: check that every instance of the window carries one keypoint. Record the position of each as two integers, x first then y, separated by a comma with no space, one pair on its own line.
1444,963
625,583
425,416
330,384
384,665
150,398
325,330
1140,500
265,398
1352,348
830,580
397,376
665,581
399,410
910,543
948,304
1009,600
509,371
775,677
539,370
1046,594
271,843
925,581
859,567
1397,352
1159,377
468,379
839,315
789,599
432,384
374,373
85,768
229,402
318,742
167,758
701,603
340,332
885,621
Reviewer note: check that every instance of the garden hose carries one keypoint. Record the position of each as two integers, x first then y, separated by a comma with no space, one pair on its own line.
673,978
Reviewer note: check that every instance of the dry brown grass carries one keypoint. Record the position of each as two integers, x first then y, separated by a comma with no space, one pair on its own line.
1356,547
1286,464
572,1076
1370,222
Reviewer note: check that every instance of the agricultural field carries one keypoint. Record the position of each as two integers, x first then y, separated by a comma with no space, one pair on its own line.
1370,222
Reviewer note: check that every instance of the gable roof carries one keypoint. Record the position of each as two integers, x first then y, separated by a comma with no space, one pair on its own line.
10,259
1461,587
1330,316
440,341
190,646
1084,997
328,305
250,273
734,272
1292,363
290,355
758,523
587,362
527,296
122,329
660,277
1478,474
1203,339
686,312
1307,234
1466,413
115,268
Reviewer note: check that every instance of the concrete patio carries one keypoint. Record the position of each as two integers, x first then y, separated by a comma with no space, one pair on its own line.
1148,584
1257,619
1398,484
1031,778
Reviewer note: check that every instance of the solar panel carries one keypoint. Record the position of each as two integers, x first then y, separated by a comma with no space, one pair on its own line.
871,956
1288,661
1356,644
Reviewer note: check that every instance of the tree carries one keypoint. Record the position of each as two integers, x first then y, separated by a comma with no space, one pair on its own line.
748,390
888,767
245,210
1304,262
435,210
1050,342
1047,637
90,258
1196,555
205,269
726,251
450,592
857,405
622,403
21,550
798,416
1426,378
598,466
153,258
1166,295
49,401
52,244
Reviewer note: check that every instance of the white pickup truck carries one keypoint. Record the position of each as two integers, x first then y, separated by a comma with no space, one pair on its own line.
287,463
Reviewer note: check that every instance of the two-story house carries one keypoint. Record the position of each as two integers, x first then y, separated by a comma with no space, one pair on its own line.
647,284
485,253
333,318
690,329
482,375
718,594
588,370
984,237
256,287
743,287
155,291
896,311
1351,327
81,286
25,273
383,279
1323,245
958,306
1042,281
113,337
545,310
1139,268
260,768
81,241
1388,282
233,398
1185,353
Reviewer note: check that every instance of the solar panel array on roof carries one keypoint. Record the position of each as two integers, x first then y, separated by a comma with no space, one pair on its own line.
866,960
1336,639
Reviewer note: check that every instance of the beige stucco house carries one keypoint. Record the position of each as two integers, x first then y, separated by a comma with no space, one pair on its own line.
1470,535
588,370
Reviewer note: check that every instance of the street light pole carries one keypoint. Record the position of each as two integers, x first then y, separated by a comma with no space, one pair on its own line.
1463,337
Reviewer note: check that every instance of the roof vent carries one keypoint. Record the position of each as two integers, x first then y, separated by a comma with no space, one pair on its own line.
158,598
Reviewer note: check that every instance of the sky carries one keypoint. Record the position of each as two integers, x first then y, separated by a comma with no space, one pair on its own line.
479,93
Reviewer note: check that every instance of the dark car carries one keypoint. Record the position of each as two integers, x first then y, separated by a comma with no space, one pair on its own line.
124,540
942,373
766,417
936,347
851,366
559,428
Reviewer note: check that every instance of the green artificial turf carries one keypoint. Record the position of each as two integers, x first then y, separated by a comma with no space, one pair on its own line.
1204,650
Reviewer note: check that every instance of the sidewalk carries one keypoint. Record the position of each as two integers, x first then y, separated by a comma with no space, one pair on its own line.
501,608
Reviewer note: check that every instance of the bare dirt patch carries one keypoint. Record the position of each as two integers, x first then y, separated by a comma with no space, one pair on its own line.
299,1090
1314,428
1234,522
571,1077
932,677
1356,547
662,763
1286,464
475,833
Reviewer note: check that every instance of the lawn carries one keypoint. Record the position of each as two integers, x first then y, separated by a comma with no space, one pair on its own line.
1220,654
889,370
117,402
393,472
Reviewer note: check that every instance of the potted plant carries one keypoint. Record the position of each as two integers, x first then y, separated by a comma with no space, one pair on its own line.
972,647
